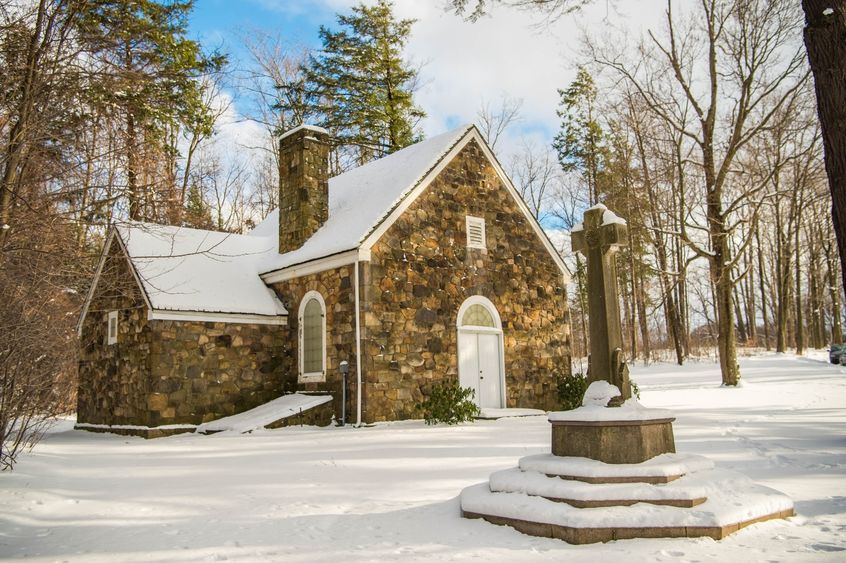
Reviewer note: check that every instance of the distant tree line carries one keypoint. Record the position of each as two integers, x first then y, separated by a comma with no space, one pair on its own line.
710,140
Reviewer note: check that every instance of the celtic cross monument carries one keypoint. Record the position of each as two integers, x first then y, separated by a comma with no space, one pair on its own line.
601,233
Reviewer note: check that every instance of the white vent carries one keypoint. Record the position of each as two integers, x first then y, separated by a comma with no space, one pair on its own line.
111,337
475,232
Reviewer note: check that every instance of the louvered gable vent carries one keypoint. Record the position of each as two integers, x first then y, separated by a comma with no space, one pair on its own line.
475,232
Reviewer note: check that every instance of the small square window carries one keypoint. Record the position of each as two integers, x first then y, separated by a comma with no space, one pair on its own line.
111,336
475,232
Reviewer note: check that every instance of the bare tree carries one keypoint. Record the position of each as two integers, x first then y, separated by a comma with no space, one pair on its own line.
537,176
493,121
733,66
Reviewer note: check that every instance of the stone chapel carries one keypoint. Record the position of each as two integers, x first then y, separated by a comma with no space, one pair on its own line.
421,266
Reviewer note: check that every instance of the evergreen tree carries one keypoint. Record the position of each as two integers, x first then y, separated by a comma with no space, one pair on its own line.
362,86
150,78
581,141
197,210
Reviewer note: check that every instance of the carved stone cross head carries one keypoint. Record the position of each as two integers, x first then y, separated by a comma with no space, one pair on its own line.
601,230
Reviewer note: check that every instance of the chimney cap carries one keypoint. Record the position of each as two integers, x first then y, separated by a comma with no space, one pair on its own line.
312,128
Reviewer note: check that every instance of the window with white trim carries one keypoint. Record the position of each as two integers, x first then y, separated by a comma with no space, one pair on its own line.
475,232
112,327
312,329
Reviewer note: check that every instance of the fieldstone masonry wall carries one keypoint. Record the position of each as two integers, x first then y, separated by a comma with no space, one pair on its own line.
336,288
421,272
114,379
303,186
203,371
171,372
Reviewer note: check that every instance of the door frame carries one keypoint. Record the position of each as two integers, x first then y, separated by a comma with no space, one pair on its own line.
464,331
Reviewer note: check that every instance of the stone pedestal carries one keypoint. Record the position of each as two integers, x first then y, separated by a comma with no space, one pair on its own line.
613,441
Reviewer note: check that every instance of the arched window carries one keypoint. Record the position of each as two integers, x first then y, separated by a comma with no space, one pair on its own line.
478,315
312,322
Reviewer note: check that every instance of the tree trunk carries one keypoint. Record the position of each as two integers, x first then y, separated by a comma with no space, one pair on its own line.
800,332
16,146
762,288
825,40
836,325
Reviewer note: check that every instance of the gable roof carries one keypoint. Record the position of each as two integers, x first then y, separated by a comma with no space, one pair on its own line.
182,269
194,274
361,198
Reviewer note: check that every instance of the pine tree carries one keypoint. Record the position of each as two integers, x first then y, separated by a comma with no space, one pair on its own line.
197,212
362,86
150,78
580,142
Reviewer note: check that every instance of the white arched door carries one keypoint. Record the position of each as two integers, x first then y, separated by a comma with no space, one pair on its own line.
480,352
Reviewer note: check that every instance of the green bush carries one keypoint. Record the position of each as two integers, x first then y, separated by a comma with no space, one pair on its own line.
571,391
450,404
635,390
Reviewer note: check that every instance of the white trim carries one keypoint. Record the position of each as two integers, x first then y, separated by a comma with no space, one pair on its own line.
315,266
202,316
94,282
357,351
478,222
112,338
411,197
135,275
467,330
314,377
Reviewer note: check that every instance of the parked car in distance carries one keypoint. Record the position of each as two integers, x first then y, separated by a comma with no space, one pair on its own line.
835,351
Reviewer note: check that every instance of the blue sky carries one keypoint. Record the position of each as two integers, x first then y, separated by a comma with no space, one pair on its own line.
463,65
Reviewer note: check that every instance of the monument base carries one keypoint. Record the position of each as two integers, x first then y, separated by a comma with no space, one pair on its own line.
585,501
612,435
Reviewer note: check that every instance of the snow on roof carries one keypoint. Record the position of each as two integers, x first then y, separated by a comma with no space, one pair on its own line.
360,199
184,269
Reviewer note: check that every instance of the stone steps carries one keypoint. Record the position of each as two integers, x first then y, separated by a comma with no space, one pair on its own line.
661,469
548,496
585,495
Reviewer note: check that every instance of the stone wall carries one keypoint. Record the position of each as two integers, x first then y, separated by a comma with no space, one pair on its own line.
171,372
421,272
203,371
338,292
114,379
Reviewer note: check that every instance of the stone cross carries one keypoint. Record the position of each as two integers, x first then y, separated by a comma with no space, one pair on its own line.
598,238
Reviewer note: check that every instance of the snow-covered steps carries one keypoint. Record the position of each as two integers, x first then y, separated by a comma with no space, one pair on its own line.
660,469
684,492
693,500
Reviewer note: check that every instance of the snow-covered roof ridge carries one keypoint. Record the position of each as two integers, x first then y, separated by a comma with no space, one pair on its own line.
185,269
361,199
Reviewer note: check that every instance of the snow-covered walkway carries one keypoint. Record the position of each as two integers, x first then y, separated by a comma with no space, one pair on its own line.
389,492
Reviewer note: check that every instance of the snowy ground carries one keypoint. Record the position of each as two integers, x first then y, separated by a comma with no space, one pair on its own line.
389,492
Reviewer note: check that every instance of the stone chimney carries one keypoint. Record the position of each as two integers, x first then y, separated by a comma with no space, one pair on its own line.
303,185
